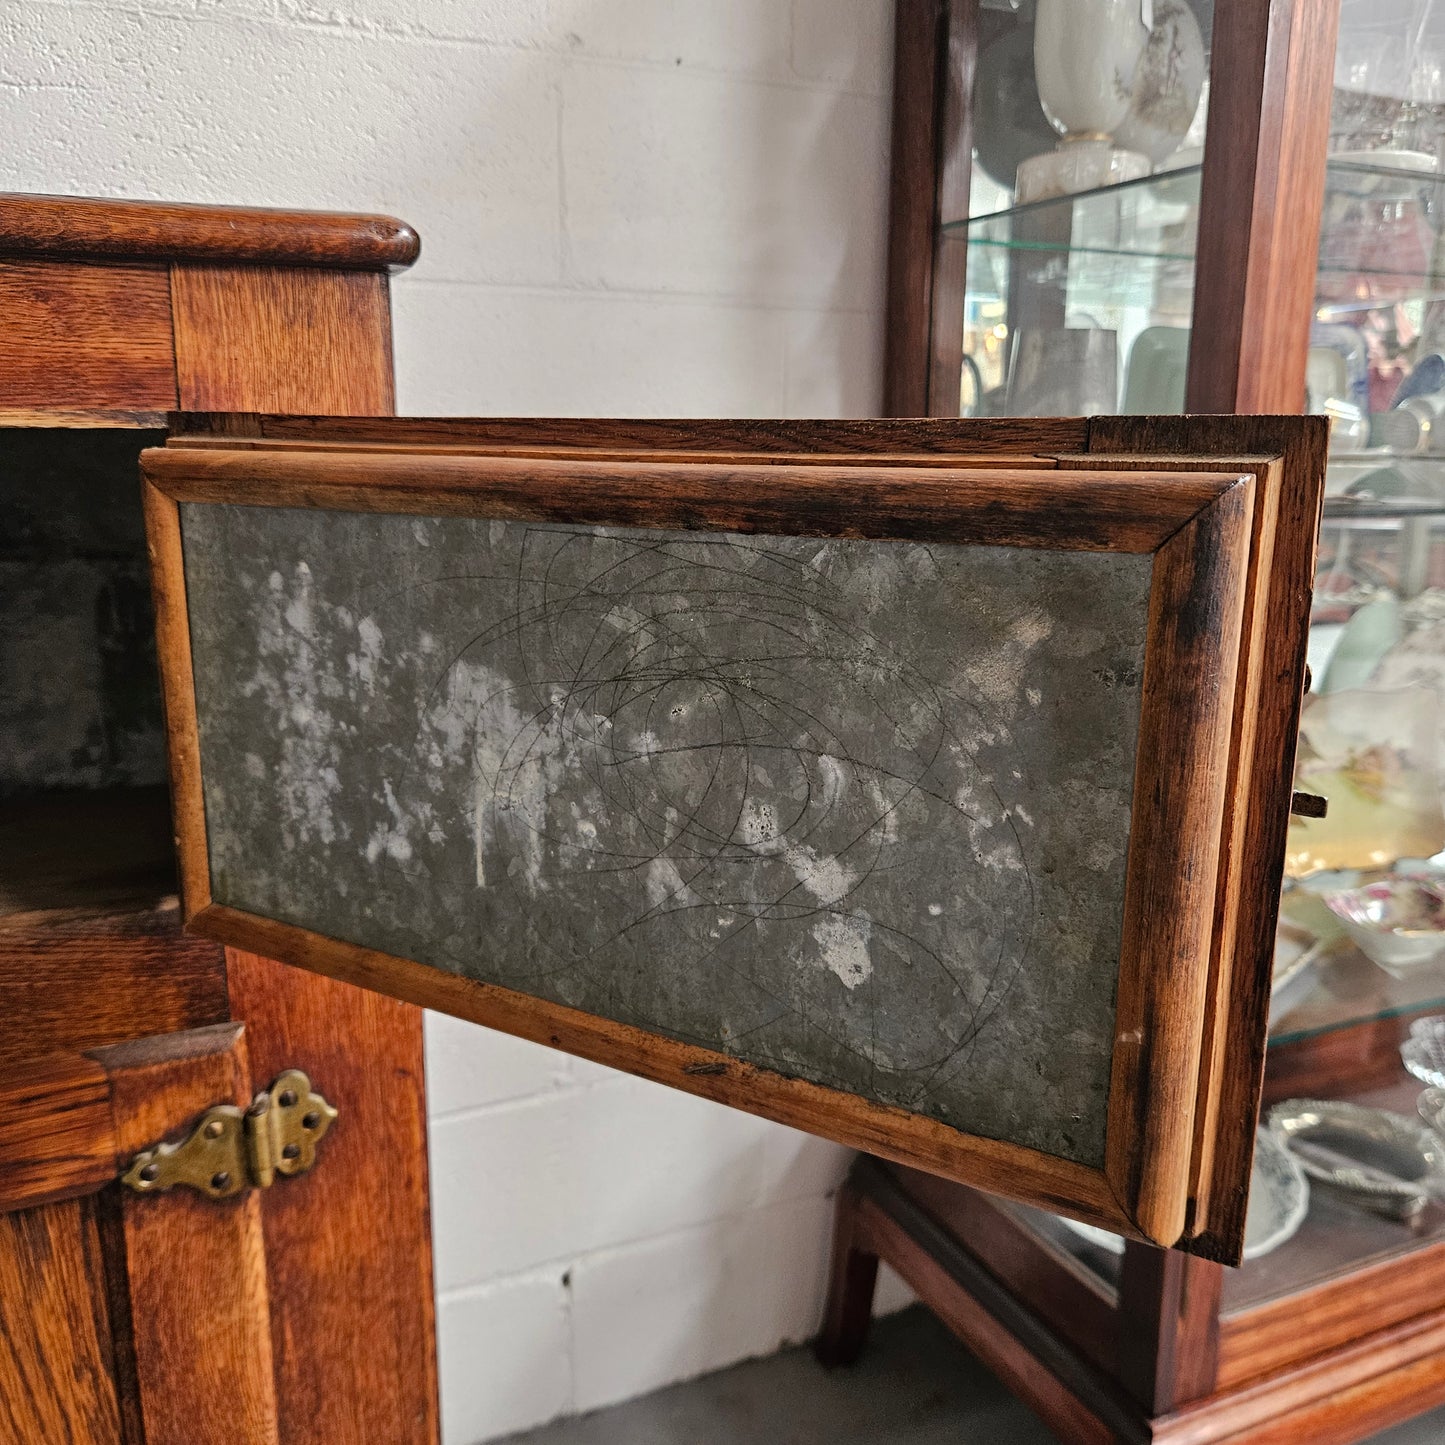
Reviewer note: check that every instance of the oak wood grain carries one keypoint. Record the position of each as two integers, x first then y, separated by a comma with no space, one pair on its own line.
1135,512
195,1268
1195,610
178,695
76,979
85,228
1257,854
1041,436
86,336
272,339
57,1136
55,1341
348,1241
1341,1397
278,338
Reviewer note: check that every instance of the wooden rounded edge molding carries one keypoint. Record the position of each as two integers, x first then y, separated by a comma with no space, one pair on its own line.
79,228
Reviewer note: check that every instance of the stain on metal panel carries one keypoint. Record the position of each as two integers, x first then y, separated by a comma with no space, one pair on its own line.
855,811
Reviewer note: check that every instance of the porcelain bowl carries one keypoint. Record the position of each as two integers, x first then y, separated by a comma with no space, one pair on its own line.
1398,923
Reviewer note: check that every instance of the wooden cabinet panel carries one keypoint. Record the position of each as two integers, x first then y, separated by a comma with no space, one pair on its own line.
1029,1013
86,336
191,1270
348,1242
270,338
57,1137
56,1356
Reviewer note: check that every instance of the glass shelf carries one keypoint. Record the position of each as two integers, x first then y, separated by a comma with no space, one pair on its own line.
1156,219
1120,261
1347,989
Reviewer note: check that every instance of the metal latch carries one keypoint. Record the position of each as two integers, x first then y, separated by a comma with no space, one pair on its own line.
231,1149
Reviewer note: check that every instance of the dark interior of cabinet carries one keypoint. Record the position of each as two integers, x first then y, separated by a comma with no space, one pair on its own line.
84,812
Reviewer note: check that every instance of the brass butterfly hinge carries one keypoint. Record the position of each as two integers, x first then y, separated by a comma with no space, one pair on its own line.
232,1149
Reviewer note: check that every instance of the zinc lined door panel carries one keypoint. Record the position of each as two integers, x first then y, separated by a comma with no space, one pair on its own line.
887,799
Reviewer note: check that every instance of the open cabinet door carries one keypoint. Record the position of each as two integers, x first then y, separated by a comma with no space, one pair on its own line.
922,785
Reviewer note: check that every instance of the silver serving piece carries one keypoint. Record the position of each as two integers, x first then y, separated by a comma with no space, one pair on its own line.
1383,1161
1423,1053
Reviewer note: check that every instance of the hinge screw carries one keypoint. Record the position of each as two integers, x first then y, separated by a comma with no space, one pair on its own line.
220,1180
149,1172
291,1151
215,1129
288,1098
311,1120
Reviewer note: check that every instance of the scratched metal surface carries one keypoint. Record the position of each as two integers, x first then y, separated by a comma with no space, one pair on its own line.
856,811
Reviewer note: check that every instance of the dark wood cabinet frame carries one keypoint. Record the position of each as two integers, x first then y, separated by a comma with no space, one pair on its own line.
1154,1359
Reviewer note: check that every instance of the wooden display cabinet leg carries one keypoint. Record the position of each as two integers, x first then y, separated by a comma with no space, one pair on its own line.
852,1275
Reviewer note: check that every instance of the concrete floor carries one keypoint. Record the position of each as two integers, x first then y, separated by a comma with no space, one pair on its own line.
915,1385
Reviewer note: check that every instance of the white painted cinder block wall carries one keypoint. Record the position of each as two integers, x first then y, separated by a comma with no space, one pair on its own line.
628,207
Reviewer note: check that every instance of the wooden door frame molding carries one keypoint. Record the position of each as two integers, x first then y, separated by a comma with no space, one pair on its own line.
1197,523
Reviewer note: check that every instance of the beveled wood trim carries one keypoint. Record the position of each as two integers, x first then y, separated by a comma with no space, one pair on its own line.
1271,78
1135,512
178,696
1007,437
880,1129
1336,1399
57,1138
1238,1071
1195,609
1244,759
90,229
936,460
93,418
1362,1299
1221,1020
1197,525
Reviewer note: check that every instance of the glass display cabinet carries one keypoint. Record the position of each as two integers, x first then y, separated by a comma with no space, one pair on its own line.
1254,223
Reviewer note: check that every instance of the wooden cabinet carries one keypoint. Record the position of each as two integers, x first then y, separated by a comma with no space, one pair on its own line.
1292,265
909,783
921,784
173,1318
